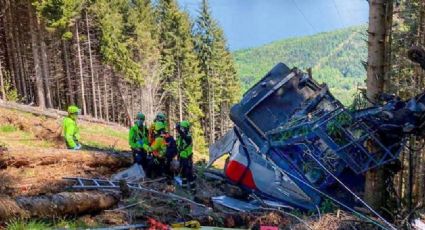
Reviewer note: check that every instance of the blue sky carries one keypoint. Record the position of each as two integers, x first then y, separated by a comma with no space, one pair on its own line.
251,23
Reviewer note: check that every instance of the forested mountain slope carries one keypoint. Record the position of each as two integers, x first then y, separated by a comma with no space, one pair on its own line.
114,59
336,58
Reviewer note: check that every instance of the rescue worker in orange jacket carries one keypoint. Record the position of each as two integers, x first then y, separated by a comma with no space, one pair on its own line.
160,117
163,150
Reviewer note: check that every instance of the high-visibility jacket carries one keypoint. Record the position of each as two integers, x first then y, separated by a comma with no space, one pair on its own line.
159,147
138,137
71,132
151,132
185,146
164,146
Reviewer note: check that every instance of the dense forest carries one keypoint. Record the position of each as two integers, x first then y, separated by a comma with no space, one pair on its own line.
115,58
335,58
396,28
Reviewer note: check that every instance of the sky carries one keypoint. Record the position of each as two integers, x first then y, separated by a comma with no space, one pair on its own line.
252,23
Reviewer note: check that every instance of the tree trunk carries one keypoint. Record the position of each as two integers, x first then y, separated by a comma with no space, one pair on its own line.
57,205
105,99
21,72
93,86
70,88
99,98
180,97
12,44
3,91
376,194
45,64
36,57
80,64
123,99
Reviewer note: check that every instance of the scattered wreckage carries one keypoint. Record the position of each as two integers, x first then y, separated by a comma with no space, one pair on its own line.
294,143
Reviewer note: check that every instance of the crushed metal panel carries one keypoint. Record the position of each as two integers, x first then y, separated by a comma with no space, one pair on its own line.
235,204
131,175
222,146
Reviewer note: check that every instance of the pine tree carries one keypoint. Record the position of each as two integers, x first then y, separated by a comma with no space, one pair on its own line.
219,78
181,83
144,43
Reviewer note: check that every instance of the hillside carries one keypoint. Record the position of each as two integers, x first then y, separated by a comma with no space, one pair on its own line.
334,56
33,161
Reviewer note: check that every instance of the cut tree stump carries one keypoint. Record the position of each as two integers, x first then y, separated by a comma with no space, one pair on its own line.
57,205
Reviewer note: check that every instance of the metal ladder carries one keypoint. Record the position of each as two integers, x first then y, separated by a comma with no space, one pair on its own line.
86,183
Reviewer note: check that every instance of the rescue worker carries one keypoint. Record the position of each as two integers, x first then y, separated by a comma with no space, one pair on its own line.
185,154
138,140
70,128
163,150
160,117
158,149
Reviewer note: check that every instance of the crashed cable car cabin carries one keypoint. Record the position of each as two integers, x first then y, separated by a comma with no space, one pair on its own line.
294,143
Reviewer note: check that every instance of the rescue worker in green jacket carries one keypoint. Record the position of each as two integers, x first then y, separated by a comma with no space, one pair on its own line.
70,128
160,117
138,140
185,154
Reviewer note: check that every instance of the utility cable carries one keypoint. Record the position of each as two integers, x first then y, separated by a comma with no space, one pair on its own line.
339,13
303,15
333,199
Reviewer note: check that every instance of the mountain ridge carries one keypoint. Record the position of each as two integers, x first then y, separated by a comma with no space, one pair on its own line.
335,57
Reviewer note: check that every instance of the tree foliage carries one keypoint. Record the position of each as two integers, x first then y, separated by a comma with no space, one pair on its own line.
113,58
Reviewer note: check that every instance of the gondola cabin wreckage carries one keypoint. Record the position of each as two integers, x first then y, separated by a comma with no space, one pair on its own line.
295,144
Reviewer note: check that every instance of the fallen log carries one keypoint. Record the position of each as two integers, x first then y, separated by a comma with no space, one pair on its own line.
57,205
51,113
48,157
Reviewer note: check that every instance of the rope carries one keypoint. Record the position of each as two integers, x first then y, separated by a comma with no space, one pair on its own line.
334,200
302,14
352,193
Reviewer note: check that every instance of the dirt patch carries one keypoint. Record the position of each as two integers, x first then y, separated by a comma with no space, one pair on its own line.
40,172
42,128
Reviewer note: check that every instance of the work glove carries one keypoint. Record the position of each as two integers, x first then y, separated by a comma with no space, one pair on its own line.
77,147
155,160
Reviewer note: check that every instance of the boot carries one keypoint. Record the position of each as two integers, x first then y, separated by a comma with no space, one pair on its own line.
192,186
184,183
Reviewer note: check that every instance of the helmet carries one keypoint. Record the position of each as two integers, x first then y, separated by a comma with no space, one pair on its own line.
185,124
140,116
160,117
159,126
73,109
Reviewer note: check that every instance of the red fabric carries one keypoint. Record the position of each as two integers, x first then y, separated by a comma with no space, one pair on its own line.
268,228
156,225
235,171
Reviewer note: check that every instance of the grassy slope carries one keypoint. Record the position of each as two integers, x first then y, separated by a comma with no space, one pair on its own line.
25,130
335,57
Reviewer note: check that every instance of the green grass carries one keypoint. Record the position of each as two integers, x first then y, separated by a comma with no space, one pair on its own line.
28,225
19,224
8,128
97,145
107,131
71,224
